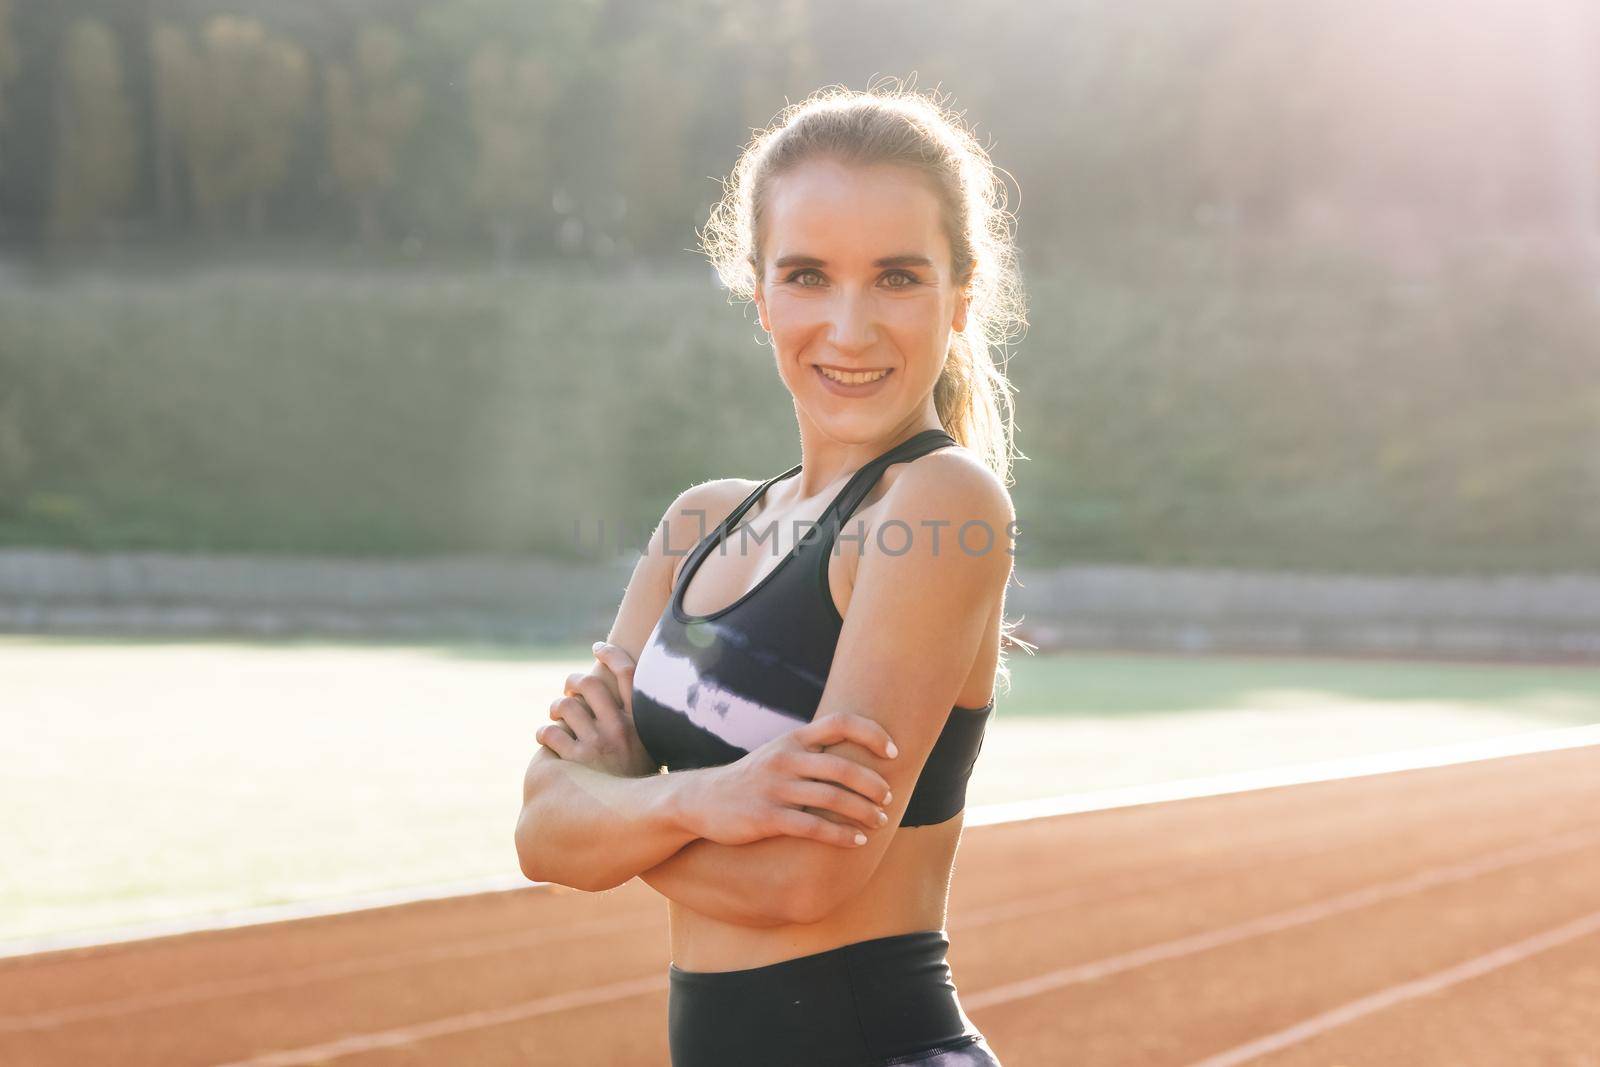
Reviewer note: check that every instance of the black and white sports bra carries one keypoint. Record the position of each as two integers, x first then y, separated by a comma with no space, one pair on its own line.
708,689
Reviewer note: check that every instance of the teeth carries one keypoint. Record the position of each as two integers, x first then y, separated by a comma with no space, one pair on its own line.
854,378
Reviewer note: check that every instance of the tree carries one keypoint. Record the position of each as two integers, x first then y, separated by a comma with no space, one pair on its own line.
511,96
372,108
10,61
170,66
234,105
96,149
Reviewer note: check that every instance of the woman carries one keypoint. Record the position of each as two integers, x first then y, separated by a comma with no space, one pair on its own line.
818,703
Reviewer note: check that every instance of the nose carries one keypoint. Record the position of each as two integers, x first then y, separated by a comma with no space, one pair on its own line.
851,317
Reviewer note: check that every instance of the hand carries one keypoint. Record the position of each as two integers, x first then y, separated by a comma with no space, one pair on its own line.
777,788
594,718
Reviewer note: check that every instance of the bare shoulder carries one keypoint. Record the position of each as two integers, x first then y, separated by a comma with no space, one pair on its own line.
699,508
688,519
697,511
953,486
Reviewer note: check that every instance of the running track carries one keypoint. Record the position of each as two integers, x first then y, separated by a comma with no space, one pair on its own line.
1443,916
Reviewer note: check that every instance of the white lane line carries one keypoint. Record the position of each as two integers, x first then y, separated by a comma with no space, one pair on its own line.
977,815
1283,920
265,983
455,1024
270,913
1419,987
1144,882
1290,774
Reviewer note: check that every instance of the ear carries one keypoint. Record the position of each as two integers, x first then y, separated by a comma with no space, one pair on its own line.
761,306
963,301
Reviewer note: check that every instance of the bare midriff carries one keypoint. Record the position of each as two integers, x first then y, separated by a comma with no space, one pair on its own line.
907,892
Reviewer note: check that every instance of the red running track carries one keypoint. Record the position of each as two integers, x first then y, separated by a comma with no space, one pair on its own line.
1444,917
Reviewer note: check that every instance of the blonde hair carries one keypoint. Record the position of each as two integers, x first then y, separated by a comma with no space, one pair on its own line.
899,125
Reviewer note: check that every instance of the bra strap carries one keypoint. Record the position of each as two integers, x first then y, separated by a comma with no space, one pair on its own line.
856,490
723,528
843,505
737,513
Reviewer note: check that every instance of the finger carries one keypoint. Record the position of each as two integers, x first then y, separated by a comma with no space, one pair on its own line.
556,739
621,664
576,714
825,766
850,726
798,824
601,703
608,677
834,798
560,723
574,683
563,727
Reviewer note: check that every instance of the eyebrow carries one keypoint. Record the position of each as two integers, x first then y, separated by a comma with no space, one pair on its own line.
903,260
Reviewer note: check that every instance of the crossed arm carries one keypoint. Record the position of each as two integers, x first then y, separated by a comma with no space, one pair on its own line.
594,827
594,830
915,625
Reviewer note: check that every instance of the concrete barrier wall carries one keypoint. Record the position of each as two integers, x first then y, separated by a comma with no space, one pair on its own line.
1161,609
1199,609
50,591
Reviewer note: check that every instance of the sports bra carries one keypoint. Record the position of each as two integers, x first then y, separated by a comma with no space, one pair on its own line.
708,689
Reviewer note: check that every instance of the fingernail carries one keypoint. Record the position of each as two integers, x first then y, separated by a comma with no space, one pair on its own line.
882,818
596,646
861,839
893,751
888,796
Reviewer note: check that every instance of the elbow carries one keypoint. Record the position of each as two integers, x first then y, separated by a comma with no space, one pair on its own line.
526,838
539,865
530,856
527,855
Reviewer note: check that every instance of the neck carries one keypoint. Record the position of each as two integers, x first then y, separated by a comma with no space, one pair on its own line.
826,461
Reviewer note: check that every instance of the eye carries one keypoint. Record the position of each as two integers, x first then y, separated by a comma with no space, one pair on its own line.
803,270
911,279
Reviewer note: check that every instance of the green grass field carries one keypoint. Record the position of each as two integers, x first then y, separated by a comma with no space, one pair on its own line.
156,780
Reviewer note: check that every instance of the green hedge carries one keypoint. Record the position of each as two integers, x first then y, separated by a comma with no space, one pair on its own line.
1310,415
1316,417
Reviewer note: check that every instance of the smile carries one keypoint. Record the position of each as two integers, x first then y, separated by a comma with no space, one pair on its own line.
854,377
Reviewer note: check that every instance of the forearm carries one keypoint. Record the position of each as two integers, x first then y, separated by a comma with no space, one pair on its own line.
747,885
583,828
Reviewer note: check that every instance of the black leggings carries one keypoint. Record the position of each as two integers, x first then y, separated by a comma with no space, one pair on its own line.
887,1000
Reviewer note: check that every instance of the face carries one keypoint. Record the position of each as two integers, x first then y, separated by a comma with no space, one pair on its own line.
857,278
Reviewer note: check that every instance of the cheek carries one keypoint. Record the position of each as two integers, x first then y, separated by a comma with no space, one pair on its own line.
905,318
918,332
788,315
796,334
910,331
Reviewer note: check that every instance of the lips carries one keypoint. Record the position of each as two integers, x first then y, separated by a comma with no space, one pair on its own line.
863,388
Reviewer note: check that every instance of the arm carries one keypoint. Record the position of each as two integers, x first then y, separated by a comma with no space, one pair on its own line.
590,830
580,826
915,625
787,786
595,812
746,885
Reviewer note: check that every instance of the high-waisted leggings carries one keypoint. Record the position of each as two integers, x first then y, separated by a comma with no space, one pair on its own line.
887,1000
